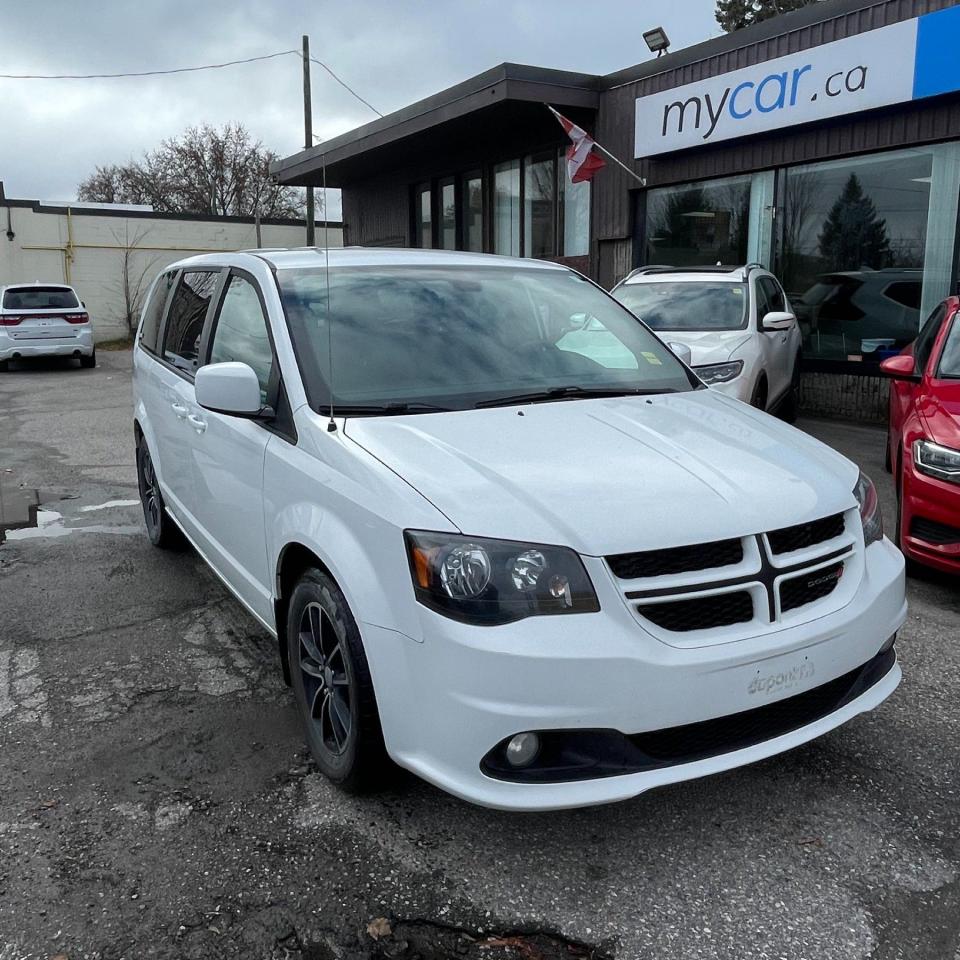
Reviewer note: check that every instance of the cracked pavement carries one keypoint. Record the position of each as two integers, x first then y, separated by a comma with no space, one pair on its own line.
156,799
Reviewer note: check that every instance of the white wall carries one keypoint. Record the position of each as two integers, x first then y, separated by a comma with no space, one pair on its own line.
88,249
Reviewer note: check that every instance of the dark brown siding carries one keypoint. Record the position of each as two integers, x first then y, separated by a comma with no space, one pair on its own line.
377,214
926,122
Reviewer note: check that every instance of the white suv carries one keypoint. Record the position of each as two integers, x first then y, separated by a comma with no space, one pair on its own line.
503,536
743,337
44,320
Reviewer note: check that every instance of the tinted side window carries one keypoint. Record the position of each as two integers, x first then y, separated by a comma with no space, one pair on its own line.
928,336
153,312
775,298
763,303
905,292
181,343
241,332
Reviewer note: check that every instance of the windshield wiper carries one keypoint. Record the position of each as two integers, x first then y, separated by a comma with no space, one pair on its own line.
571,392
394,408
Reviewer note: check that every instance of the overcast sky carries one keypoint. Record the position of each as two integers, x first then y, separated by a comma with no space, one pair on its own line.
54,132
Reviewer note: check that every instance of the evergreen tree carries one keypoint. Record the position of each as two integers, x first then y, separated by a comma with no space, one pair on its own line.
853,235
735,14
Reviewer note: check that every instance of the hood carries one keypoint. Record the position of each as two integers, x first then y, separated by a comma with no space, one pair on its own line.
613,475
707,346
940,411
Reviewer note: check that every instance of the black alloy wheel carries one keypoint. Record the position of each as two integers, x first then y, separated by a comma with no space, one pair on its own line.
332,686
161,530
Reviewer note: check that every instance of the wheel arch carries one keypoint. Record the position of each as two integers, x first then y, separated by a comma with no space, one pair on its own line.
294,559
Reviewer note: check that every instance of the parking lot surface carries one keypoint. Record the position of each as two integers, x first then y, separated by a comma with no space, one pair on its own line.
156,799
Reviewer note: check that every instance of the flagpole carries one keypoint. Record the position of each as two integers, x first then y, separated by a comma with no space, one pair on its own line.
636,176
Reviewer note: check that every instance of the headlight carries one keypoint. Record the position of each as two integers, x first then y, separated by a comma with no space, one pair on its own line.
870,513
936,461
719,372
489,582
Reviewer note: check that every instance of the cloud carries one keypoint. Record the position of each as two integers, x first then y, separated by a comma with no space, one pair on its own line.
391,51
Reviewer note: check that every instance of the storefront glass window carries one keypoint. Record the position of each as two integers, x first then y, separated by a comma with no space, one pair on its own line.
698,224
539,207
448,216
865,248
423,229
473,213
506,208
576,215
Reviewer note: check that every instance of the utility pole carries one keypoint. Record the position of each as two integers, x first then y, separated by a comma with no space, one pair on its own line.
308,136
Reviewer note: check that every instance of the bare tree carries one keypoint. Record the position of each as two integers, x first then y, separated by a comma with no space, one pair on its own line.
223,172
136,273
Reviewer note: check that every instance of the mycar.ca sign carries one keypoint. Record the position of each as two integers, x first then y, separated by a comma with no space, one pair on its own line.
903,61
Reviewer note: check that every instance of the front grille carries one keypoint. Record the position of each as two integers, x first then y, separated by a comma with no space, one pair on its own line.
700,613
934,532
809,586
804,535
657,563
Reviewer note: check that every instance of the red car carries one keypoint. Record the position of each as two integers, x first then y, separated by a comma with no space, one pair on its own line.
923,447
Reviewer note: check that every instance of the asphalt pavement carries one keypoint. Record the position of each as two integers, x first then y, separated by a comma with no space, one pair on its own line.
156,799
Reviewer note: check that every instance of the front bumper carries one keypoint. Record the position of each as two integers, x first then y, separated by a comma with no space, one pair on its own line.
448,698
938,503
81,344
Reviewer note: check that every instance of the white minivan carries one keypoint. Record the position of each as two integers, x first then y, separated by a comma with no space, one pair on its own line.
504,537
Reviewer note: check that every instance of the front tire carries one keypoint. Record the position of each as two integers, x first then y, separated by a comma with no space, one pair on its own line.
332,686
759,398
4,366
161,530
790,407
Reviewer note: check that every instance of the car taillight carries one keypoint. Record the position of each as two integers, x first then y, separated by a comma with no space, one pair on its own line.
77,317
6,320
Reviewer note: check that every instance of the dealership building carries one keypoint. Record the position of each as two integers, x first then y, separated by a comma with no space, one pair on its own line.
823,144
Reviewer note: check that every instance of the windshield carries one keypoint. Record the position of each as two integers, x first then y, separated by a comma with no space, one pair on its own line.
454,337
687,305
39,298
950,357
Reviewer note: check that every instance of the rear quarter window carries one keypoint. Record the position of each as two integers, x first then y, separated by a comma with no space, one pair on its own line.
153,312
40,298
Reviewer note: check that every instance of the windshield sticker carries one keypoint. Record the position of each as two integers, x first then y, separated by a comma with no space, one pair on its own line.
738,291
652,358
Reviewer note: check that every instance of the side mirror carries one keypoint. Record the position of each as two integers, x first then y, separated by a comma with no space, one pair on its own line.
681,351
778,320
901,367
231,388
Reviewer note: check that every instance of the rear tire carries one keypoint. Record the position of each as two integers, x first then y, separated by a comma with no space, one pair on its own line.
333,688
161,529
88,363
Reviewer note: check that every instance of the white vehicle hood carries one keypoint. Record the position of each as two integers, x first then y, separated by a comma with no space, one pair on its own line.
707,346
613,475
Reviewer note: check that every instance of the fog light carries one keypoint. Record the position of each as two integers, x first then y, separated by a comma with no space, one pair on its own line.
522,749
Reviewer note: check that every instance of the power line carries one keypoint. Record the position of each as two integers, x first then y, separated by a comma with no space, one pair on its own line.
206,66
346,86
145,73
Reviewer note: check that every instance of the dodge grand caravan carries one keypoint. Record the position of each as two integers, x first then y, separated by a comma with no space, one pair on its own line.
503,536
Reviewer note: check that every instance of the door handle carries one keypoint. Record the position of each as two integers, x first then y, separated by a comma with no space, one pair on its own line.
198,423
179,409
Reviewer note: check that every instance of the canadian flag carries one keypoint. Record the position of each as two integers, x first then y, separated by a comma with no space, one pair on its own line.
583,161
